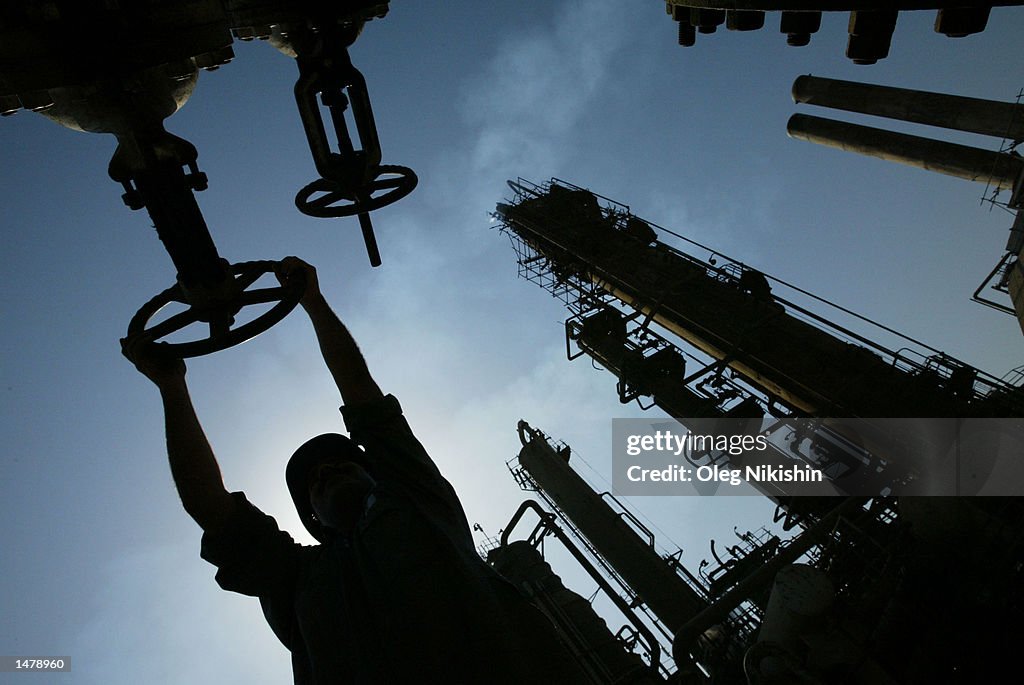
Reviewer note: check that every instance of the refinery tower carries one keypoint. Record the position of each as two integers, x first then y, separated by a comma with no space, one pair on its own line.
870,584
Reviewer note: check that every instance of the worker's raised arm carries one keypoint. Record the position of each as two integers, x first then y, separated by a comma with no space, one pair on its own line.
339,349
193,464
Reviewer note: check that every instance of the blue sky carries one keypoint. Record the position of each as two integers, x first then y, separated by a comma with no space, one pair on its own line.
100,563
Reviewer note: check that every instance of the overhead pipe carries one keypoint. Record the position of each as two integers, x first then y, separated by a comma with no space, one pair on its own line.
973,115
999,170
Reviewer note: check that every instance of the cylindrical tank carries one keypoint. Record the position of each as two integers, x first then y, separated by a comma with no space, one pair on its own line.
800,599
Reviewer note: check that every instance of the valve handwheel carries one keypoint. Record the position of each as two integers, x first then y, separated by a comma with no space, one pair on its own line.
219,315
332,200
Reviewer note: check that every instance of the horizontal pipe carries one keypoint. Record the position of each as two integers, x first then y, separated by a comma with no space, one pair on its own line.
1000,170
987,117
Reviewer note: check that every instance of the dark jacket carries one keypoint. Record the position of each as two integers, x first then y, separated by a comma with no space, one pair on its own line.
405,598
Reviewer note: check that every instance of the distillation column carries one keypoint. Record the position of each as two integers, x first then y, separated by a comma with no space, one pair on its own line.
671,599
735,319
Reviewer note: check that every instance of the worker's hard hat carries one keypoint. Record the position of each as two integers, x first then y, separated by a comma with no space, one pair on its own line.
315,451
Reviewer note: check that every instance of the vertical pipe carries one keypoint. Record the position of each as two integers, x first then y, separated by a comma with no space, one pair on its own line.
987,117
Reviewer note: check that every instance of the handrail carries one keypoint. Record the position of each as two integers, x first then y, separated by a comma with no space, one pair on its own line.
549,525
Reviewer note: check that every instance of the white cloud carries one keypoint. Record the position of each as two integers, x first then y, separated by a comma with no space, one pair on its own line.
526,102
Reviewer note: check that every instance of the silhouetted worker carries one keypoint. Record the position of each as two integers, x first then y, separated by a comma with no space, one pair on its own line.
395,592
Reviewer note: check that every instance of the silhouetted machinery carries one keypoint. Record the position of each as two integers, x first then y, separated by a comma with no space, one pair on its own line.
122,68
872,588
1000,170
881,590
872,22
598,258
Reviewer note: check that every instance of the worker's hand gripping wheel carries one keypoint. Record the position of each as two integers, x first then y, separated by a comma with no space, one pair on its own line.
217,310
352,181
150,164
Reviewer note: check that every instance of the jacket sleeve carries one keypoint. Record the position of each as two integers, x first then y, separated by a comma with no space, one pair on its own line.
398,459
252,554
381,429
